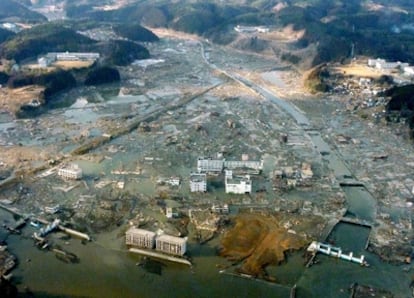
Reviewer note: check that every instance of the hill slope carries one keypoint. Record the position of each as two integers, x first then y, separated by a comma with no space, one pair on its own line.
13,11
41,39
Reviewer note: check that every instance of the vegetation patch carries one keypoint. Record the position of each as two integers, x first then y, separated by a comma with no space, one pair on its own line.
42,39
135,32
102,75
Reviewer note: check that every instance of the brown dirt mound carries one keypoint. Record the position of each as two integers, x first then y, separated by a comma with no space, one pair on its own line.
259,240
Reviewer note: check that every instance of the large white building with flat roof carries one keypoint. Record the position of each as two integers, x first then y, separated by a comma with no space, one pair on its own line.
198,182
210,165
237,184
140,238
171,244
72,171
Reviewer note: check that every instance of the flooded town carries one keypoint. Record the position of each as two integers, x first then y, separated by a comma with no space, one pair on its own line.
211,172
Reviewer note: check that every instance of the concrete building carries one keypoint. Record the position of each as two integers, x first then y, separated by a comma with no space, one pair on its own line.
409,71
76,56
209,165
49,58
248,164
386,65
44,62
73,171
140,238
251,29
171,245
237,184
198,182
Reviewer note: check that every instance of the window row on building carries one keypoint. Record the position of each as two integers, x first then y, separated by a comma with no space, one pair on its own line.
163,243
73,171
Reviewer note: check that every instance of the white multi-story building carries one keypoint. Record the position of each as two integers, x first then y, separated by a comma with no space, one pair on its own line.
198,182
409,71
73,171
140,238
251,29
237,184
209,165
49,58
75,56
249,164
171,244
383,64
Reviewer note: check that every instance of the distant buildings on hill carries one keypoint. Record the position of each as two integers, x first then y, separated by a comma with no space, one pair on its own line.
49,58
383,64
251,29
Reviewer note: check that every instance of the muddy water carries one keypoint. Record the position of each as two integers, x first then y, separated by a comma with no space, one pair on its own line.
106,270
333,277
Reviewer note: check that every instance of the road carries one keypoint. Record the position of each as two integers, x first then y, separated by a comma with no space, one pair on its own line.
338,166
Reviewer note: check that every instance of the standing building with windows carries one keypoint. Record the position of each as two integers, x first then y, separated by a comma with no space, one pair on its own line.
72,171
198,182
209,165
140,238
171,245
237,184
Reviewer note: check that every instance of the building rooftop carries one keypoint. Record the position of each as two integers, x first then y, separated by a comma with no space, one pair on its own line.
140,231
198,177
172,239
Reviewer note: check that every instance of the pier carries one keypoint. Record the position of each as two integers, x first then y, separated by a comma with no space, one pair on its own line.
69,231
160,256
336,252
74,233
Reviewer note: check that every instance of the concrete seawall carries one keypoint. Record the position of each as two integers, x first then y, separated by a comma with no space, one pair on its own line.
160,256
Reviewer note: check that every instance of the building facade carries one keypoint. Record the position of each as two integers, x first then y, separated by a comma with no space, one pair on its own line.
237,184
140,238
171,245
76,56
198,182
209,165
383,64
249,164
71,172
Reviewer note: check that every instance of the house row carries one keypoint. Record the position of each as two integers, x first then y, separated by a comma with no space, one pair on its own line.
163,243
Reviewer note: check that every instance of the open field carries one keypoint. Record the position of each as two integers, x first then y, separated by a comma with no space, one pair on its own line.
72,64
359,70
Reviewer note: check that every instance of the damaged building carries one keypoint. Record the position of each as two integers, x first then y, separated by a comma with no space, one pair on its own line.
237,184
